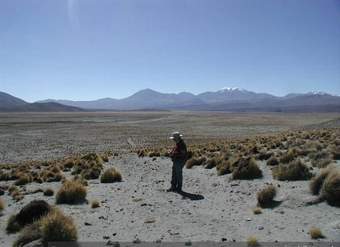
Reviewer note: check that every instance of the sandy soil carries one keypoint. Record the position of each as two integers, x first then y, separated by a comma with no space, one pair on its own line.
139,207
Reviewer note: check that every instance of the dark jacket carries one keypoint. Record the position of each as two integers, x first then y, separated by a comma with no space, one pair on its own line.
179,152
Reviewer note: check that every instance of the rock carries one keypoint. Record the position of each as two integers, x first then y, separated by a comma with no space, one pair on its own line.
260,228
36,243
224,239
32,212
87,224
106,237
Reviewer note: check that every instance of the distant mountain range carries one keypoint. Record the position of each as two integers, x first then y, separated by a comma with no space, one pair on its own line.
226,99
9,103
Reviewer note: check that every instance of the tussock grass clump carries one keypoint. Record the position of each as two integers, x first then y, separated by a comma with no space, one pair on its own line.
252,241
23,179
322,163
93,157
48,192
336,154
295,170
195,162
315,233
57,227
317,181
246,169
2,205
331,188
111,175
71,192
273,161
29,234
95,204
223,168
91,173
288,157
54,227
210,163
266,196
12,225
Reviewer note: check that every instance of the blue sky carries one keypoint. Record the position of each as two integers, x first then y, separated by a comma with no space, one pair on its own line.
89,49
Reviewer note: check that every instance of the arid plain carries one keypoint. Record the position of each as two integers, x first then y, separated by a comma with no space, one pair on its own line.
135,206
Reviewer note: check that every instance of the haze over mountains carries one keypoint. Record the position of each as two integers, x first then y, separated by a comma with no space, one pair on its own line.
227,99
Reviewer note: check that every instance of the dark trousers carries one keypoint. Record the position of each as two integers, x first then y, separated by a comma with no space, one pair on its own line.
177,174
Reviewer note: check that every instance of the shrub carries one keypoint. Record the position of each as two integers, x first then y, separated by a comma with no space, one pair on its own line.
331,188
315,233
48,192
111,175
95,204
71,192
58,227
317,181
265,196
246,169
273,161
294,171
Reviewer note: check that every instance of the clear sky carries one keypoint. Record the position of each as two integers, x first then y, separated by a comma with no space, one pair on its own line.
89,49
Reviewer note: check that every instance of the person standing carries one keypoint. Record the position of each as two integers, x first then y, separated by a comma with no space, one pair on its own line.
179,157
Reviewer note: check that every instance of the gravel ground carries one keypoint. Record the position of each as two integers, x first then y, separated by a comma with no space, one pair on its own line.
139,207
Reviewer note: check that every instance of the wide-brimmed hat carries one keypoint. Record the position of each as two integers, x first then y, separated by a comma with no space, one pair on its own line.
175,134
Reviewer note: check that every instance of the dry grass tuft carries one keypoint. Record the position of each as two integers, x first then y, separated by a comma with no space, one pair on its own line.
288,157
194,162
266,196
331,188
23,179
223,167
57,227
111,175
247,169
317,181
29,234
316,233
71,192
295,170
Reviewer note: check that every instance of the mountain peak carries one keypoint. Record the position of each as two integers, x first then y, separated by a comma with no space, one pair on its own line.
231,89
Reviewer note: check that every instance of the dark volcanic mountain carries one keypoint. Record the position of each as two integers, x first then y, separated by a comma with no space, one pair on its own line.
9,103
